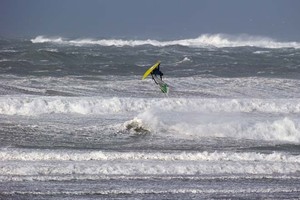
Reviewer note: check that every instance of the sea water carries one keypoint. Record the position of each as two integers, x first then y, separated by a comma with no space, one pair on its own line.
77,121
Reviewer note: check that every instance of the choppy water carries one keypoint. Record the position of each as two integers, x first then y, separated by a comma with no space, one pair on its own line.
77,121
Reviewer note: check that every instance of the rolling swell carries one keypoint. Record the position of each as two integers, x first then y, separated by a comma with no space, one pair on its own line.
213,55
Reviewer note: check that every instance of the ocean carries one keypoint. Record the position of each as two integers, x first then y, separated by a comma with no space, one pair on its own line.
77,121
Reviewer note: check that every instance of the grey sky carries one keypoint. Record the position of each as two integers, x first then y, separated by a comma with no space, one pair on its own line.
158,19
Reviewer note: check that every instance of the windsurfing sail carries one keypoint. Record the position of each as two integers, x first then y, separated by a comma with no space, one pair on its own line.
150,70
162,85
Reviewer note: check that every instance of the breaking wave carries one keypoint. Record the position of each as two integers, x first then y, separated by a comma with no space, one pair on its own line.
101,163
54,155
31,105
182,118
205,40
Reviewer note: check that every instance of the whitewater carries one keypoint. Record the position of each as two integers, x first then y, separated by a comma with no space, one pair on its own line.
206,40
77,121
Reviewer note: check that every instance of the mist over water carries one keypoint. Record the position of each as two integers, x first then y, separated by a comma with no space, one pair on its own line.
77,121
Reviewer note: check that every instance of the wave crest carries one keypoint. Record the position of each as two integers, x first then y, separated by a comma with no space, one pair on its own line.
30,105
205,40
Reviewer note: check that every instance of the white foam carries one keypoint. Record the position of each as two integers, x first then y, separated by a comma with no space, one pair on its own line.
205,40
68,155
33,105
8,51
49,49
255,119
261,52
284,130
42,39
4,60
185,59
58,163
215,192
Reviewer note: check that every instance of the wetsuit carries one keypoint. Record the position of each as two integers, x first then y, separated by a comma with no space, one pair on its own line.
157,72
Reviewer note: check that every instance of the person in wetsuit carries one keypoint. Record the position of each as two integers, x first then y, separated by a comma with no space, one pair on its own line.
156,72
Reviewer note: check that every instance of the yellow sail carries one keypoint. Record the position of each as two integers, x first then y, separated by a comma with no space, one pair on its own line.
150,70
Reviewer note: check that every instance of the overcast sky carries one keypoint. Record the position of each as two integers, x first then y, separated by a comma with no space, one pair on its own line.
155,19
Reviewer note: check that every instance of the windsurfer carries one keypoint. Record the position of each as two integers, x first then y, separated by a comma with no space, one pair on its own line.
156,72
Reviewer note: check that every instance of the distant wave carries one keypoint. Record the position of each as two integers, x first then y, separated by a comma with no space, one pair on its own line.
206,40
